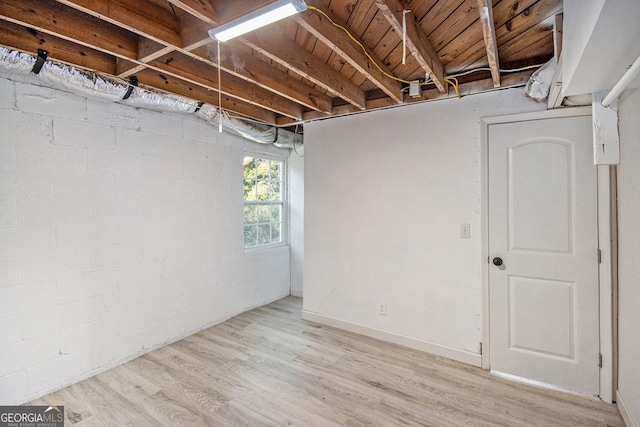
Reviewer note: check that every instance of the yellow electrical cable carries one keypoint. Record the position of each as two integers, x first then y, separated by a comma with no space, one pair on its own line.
356,41
452,81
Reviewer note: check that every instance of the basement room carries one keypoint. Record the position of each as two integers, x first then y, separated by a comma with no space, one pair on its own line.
319,213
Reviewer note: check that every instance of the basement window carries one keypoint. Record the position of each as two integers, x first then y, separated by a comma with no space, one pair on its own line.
264,201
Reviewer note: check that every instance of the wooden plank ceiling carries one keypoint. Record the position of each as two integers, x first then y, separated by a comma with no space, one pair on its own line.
303,68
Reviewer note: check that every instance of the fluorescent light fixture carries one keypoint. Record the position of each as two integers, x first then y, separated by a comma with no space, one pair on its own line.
264,16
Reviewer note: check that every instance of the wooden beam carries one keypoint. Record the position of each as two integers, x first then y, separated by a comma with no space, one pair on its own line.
196,38
66,23
249,68
244,66
160,34
148,50
125,68
269,42
557,35
338,41
258,72
194,32
69,24
141,18
510,21
485,9
205,10
170,84
196,72
555,97
30,40
417,41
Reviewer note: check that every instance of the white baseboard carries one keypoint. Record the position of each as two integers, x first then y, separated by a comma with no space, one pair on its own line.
296,293
427,347
624,411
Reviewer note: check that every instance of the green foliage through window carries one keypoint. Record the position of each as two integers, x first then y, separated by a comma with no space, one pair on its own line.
263,201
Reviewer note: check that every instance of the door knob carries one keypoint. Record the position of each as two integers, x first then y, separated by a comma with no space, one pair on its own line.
497,261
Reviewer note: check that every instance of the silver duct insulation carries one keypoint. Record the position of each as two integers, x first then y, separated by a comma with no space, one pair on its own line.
91,85
539,83
80,82
16,62
252,131
158,101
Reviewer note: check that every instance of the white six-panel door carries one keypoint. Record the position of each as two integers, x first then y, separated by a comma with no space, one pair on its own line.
543,252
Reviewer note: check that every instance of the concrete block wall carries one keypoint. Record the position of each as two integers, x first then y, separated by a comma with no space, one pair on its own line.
120,231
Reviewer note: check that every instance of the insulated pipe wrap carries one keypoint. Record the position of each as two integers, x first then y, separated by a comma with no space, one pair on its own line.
142,98
91,85
15,62
79,82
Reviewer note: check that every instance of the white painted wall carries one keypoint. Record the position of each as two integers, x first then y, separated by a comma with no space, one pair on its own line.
600,41
296,219
120,231
579,21
385,195
628,253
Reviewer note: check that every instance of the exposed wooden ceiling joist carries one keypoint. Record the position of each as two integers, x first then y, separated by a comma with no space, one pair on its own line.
205,10
512,18
21,38
149,50
270,42
64,23
196,72
251,69
417,41
29,40
171,84
140,18
352,52
485,9
302,68
71,25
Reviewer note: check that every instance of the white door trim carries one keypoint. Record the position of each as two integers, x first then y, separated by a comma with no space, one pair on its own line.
604,235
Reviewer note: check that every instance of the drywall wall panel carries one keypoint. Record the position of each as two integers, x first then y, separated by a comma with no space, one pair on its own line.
628,253
120,231
386,194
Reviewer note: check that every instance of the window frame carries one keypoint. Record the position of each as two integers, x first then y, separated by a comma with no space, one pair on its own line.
284,202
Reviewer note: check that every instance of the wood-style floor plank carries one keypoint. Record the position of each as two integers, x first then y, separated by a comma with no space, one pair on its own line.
267,367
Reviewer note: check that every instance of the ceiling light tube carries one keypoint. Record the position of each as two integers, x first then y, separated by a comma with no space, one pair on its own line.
264,16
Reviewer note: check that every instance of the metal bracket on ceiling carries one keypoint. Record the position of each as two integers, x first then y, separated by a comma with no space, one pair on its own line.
133,82
40,60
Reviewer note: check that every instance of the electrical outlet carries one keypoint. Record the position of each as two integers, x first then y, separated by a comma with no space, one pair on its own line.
465,231
382,309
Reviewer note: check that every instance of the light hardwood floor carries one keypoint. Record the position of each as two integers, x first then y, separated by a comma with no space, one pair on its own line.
267,367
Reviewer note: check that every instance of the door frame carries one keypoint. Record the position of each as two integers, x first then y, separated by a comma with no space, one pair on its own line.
606,233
